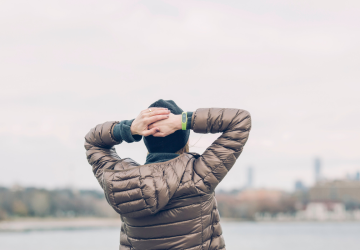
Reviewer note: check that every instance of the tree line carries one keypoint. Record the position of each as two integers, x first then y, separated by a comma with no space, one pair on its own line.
38,202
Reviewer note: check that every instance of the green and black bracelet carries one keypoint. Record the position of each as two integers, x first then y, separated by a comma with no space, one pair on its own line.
183,120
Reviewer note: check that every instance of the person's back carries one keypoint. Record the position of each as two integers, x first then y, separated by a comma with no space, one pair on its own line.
169,202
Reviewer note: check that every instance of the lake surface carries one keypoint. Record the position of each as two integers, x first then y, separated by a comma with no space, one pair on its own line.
238,235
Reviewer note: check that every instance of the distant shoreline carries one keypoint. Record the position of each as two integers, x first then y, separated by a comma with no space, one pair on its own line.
51,224
58,224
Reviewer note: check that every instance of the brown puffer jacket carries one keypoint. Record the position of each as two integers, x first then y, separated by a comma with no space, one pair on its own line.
170,205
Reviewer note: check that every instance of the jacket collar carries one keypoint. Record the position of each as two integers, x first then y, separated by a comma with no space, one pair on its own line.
159,157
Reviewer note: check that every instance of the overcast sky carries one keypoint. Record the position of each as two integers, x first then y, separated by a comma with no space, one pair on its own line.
66,66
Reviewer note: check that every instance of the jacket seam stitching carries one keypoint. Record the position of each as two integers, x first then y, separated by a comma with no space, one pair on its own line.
194,119
232,154
215,168
177,176
142,209
180,207
221,121
221,145
230,123
221,164
202,224
128,238
129,201
100,133
208,121
167,237
112,198
246,117
155,191
142,194
127,190
242,129
167,184
171,223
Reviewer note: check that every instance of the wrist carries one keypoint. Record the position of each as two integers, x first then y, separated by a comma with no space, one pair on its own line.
177,124
132,129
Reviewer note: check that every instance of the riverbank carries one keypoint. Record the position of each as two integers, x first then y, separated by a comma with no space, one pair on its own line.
238,235
48,224
53,224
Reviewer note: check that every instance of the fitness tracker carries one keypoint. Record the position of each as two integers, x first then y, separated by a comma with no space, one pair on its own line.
183,120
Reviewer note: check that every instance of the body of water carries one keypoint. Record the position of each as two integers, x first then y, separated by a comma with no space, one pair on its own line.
238,235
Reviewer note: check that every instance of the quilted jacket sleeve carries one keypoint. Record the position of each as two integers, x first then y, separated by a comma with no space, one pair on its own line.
100,152
132,190
212,166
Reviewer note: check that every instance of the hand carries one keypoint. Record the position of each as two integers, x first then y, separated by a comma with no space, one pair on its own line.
168,126
140,125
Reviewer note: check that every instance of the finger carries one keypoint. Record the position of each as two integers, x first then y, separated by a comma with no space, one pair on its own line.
157,112
151,131
156,124
159,134
152,109
156,118
153,125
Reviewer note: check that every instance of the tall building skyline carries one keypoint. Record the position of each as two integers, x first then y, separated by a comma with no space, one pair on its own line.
317,169
250,177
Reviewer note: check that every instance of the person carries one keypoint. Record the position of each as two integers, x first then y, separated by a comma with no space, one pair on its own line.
169,202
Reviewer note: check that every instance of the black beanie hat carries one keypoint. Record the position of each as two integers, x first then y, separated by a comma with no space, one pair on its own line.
173,142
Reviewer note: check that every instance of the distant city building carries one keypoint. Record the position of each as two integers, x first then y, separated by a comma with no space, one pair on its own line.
355,177
250,177
323,211
256,195
346,191
317,170
299,186
315,211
